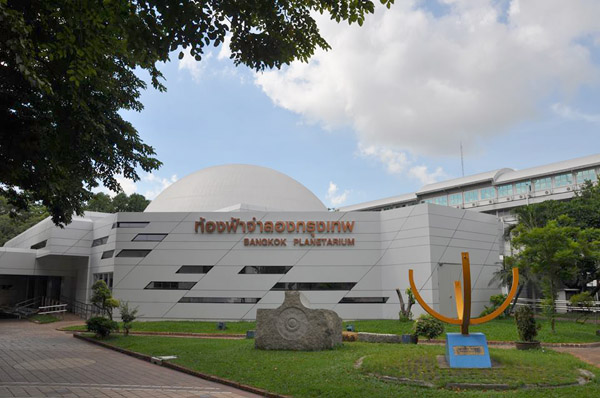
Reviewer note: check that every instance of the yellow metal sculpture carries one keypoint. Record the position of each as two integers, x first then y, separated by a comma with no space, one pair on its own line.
463,300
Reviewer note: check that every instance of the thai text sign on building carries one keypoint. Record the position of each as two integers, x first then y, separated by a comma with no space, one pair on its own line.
280,227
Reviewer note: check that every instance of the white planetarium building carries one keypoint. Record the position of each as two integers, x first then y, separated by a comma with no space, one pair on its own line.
227,240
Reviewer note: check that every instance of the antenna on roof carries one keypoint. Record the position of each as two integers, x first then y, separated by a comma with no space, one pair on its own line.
462,160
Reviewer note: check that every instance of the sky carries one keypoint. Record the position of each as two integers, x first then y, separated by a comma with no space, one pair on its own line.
385,111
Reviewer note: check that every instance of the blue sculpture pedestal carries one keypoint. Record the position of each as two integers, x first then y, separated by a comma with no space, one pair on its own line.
467,351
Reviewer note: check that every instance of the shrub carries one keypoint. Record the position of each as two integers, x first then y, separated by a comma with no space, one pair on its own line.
585,302
495,301
101,326
526,325
128,315
428,326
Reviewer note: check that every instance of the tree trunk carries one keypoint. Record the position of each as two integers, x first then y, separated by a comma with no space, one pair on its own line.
514,304
402,309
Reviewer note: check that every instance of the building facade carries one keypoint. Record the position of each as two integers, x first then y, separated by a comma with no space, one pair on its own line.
225,241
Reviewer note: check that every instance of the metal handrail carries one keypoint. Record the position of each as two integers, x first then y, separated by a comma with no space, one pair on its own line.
52,309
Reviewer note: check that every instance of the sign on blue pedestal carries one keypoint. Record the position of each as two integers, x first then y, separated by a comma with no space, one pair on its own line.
467,351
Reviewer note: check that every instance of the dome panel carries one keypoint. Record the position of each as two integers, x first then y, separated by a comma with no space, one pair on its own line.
236,186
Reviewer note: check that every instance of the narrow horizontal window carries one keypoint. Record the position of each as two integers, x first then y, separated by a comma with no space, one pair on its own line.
130,224
100,241
194,269
39,245
364,300
220,300
108,254
170,285
264,269
133,253
149,237
314,286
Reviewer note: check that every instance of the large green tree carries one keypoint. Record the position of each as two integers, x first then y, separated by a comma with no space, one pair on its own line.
13,221
67,70
553,253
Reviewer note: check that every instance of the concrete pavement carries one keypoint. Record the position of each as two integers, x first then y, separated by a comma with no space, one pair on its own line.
38,361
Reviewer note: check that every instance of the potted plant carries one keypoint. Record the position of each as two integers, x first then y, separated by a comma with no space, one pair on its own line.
527,328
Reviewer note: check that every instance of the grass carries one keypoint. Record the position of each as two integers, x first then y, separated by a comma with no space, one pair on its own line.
498,329
44,318
332,374
184,327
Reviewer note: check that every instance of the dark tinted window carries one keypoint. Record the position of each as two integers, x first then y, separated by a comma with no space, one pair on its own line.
194,269
170,285
149,237
131,224
100,241
108,254
220,300
39,245
263,269
314,286
133,253
364,300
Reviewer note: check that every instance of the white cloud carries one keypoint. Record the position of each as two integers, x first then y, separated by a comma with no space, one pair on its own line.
334,196
156,184
420,83
195,68
574,114
127,185
397,162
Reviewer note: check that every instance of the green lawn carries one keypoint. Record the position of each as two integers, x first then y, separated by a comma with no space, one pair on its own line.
44,318
332,373
498,329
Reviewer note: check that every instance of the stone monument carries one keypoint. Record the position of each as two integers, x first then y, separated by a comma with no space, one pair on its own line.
294,326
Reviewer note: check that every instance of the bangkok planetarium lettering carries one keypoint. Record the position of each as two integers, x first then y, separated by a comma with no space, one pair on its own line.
268,227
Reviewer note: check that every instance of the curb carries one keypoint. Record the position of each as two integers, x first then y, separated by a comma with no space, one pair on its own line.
179,368
174,334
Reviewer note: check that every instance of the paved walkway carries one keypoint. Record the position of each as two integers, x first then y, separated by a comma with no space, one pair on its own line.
38,361
590,355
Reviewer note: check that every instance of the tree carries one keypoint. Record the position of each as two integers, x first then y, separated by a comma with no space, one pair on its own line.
503,276
102,298
13,221
67,72
100,202
128,315
120,203
551,252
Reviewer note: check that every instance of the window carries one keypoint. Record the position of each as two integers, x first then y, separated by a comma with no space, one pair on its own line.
170,285
471,196
130,224
194,269
364,300
259,269
100,241
106,277
313,286
427,201
542,184
586,175
39,245
505,190
488,193
133,253
522,188
149,237
220,300
456,199
563,179
107,254
440,200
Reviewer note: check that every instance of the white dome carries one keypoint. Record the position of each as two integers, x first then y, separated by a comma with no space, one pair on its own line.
236,187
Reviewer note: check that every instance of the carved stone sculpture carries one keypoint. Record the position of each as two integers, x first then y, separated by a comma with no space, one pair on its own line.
294,326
